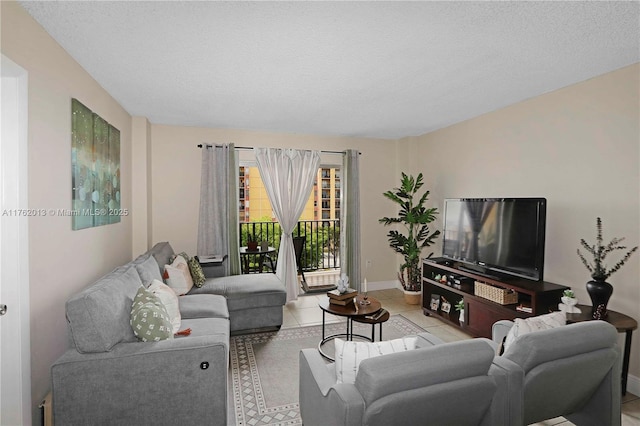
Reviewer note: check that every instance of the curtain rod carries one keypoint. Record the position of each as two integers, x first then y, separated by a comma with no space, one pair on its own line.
250,148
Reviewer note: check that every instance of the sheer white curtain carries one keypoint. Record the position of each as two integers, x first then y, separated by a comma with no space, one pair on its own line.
288,177
218,221
350,218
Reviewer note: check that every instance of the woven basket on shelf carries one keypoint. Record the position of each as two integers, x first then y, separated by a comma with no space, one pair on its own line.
499,295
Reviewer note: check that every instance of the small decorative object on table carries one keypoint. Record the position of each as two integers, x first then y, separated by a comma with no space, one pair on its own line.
599,290
365,297
460,308
343,283
569,303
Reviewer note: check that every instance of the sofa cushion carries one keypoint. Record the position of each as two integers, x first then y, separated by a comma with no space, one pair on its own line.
203,306
197,274
385,375
169,301
246,291
349,354
177,276
534,349
99,315
162,252
149,318
148,269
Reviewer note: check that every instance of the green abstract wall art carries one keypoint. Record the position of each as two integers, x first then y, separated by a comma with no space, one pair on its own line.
95,164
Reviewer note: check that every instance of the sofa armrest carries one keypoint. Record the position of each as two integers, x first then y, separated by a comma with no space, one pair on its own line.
500,329
322,400
182,380
426,340
507,406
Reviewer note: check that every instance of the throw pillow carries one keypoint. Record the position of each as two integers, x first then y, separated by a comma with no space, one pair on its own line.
178,277
528,325
184,255
349,354
170,301
197,274
149,318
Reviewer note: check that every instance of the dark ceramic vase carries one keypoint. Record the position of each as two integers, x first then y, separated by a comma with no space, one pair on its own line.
599,292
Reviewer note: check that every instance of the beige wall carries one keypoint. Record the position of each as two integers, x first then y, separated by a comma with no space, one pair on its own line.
176,183
62,261
579,147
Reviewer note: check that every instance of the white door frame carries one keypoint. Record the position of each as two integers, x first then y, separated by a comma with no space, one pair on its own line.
15,346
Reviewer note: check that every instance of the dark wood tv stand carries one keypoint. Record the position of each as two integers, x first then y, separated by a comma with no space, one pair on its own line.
480,313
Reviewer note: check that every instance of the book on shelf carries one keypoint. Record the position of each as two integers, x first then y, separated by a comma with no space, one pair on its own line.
336,295
524,308
344,302
377,315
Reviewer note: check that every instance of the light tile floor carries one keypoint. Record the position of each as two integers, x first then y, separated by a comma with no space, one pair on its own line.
305,311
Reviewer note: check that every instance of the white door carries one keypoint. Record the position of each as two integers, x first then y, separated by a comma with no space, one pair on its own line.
15,367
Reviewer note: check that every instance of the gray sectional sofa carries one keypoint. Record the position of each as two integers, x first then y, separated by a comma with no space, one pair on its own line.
109,377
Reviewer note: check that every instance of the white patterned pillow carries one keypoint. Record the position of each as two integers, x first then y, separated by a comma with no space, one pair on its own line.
177,276
149,319
528,325
170,301
349,354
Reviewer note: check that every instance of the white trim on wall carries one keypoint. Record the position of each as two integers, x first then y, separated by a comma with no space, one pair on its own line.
15,352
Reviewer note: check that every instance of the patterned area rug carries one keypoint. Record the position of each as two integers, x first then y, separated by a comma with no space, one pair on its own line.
264,368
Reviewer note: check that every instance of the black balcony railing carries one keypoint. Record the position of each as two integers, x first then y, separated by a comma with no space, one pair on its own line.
322,247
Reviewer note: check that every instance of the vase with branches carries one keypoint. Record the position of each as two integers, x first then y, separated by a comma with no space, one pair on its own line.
599,290
414,217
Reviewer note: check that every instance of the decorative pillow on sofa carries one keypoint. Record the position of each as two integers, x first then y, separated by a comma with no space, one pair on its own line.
149,318
170,301
177,276
349,354
197,274
528,325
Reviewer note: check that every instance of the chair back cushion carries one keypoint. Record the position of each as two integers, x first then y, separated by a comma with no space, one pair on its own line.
533,349
403,371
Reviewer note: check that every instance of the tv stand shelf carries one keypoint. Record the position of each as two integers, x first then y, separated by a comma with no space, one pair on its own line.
480,313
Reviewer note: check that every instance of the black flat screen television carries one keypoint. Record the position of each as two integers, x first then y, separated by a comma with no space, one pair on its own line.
496,236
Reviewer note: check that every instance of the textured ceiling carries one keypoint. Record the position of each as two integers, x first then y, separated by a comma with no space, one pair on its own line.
374,69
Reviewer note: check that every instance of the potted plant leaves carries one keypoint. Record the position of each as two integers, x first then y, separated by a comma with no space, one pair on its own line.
415,218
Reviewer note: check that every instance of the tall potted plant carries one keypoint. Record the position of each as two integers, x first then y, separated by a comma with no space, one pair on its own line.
415,218
599,290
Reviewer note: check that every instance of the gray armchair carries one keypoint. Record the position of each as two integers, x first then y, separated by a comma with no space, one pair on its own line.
571,371
444,384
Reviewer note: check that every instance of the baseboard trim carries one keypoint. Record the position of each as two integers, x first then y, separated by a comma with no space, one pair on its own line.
633,385
383,285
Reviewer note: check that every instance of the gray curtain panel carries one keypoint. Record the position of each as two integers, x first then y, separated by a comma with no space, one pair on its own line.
218,221
350,219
